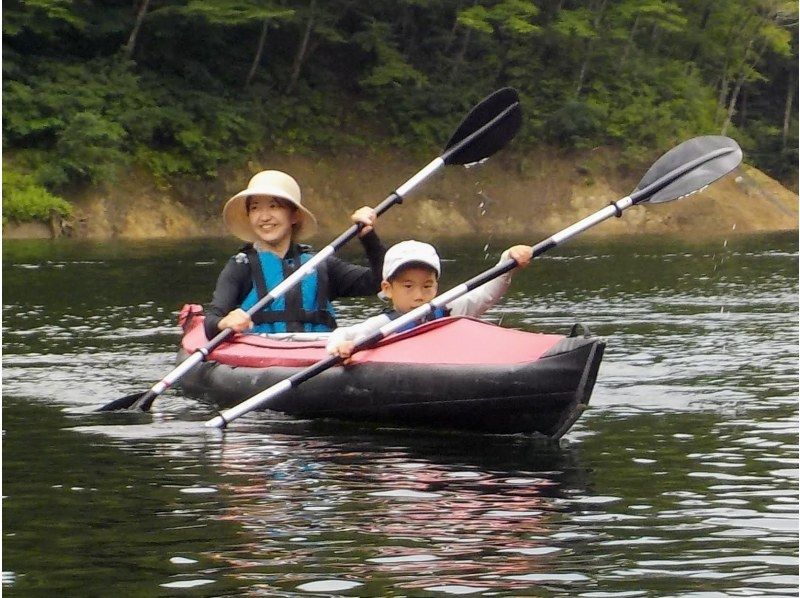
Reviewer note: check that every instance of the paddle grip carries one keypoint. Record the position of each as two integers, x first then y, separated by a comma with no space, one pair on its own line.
482,278
351,232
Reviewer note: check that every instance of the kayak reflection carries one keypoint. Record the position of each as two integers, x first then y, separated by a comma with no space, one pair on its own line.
383,506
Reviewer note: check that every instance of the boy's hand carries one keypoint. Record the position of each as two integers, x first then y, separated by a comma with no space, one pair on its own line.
367,216
522,254
343,350
238,320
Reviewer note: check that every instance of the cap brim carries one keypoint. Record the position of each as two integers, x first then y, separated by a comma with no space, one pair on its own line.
411,262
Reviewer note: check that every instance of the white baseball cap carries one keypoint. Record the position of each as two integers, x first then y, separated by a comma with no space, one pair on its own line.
408,252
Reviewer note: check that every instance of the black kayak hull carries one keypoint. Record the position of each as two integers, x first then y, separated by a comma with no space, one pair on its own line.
545,396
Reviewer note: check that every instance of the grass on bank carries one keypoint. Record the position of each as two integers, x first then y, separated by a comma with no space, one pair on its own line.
24,200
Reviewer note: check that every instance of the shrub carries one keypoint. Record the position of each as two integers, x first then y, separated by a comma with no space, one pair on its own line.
25,200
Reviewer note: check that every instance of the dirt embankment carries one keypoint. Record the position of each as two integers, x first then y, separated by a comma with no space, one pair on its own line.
526,197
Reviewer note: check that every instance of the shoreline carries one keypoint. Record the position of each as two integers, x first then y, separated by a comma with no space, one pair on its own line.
533,197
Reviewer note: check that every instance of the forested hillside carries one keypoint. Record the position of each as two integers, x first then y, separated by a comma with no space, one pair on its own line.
180,89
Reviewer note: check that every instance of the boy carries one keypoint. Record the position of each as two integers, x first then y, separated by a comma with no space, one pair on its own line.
410,278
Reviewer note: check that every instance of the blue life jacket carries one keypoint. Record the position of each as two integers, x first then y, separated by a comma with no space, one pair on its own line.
303,308
439,312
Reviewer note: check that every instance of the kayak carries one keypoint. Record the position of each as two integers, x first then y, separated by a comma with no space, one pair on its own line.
452,373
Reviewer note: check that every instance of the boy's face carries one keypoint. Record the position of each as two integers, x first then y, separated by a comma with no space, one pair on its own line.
410,288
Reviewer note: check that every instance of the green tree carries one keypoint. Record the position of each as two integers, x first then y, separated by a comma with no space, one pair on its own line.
184,87
241,14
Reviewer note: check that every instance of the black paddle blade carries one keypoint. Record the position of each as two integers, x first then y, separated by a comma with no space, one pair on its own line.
487,128
143,402
125,402
687,168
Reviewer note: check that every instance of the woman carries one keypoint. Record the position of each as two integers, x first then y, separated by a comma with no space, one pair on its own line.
270,217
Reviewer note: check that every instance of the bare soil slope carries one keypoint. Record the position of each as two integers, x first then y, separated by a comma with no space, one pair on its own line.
526,197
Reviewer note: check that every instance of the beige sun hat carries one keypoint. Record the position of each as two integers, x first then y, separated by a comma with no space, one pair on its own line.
273,183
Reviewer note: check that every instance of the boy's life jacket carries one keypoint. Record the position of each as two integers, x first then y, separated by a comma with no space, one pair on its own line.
439,312
303,308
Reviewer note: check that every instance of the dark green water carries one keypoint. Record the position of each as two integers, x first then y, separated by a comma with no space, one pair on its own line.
681,480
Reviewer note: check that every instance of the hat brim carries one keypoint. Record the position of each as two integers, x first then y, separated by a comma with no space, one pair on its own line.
409,263
234,214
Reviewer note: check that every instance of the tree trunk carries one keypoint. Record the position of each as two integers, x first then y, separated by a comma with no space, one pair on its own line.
787,113
262,40
732,102
462,52
723,92
743,107
299,58
655,39
451,36
582,72
703,25
589,48
736,90
735,93
629,43
750,59
406,27
131,45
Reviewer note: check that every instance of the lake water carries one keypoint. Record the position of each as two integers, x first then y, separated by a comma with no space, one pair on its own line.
680,480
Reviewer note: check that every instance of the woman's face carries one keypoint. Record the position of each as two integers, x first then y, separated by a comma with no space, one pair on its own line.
272,219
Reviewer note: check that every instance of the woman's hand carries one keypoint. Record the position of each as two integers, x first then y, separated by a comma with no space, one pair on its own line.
237,320
522,254
367,217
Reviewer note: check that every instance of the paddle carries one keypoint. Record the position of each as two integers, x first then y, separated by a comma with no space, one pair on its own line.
487,128
681,171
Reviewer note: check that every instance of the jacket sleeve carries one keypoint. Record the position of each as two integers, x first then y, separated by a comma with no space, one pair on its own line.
232,287
350,280
482,298
357,331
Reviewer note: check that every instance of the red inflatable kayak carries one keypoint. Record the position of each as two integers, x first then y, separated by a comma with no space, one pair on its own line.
456,373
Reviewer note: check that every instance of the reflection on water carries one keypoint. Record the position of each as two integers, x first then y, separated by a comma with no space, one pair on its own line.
384,511
681,480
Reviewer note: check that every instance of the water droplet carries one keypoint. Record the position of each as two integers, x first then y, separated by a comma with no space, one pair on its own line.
179,560
191,583
198,490
328,585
